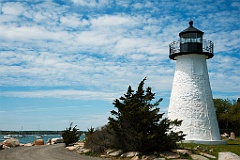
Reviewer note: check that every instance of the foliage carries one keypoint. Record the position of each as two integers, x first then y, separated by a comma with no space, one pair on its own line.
136,124
228,113
97,140
70,135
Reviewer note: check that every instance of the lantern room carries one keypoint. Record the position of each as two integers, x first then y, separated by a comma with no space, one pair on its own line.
191,42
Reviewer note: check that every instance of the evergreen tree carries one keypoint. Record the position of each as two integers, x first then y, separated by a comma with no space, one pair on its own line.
136,124
70,135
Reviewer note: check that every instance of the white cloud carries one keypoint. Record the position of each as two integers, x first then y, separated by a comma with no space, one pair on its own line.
51,46
73,21
66,94
12,8
114,20
123,3
92,3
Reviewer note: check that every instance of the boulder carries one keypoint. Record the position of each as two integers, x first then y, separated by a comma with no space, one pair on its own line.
232,136
149,157
198,157
207,155
49,141
104,156
28,145
228,156
71,148
84,150
170,155
224,135
39,142
116,153
135,158
79,144
129,154
11,142
109,151
5,147
182,151
57,140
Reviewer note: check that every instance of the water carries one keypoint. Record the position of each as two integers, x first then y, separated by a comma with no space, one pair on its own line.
32,138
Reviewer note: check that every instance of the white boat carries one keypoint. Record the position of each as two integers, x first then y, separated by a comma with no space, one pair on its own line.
39,136
7,136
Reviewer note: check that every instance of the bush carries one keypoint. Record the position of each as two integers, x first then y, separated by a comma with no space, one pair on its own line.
70,135
98,140
136,125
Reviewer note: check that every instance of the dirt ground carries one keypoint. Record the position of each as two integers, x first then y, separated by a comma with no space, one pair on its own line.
45,152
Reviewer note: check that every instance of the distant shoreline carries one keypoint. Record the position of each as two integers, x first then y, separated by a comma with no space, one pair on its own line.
34,132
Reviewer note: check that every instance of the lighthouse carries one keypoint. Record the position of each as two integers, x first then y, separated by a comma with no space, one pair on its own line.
191,98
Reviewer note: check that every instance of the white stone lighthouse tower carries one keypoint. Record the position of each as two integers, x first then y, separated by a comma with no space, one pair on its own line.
191,98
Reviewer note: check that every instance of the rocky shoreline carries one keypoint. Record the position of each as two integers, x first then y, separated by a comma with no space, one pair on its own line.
180,154
14,142
175,154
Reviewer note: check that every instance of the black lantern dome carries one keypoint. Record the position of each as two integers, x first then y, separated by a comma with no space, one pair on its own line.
191,42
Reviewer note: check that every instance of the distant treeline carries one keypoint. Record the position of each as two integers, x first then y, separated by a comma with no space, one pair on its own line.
33,132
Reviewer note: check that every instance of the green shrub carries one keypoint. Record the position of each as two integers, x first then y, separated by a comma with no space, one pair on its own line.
70,135
137,124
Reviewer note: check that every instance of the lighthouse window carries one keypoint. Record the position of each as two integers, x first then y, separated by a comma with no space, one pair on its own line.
199,38
191,38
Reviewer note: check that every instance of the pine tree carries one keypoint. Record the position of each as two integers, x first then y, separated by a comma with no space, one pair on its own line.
70,135
136,124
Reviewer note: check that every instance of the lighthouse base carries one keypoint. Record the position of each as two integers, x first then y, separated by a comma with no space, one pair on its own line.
207,142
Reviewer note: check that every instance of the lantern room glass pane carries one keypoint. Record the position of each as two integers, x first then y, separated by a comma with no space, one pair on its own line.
191,38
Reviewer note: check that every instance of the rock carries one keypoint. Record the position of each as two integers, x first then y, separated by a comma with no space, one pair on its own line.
109,151
150,157
232,136
28,145
159,159
49,141
104,156
198,157
207,155
135,158
39,142
71,148
57,140
116,153
11,142
83,150
170,155
1,146
182,151
79,144
224,135
129,154
5,147
228,156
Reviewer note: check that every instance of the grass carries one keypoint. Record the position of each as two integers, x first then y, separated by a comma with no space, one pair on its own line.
232,146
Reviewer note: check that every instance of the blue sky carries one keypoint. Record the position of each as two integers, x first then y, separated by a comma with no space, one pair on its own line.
63,61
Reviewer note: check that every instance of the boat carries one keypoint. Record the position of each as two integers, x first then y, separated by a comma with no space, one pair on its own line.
8,136
39,136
